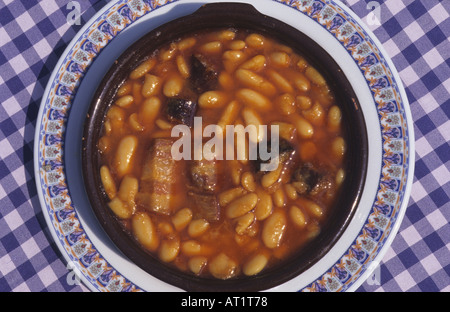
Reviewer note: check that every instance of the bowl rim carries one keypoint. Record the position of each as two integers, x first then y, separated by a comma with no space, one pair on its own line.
247,15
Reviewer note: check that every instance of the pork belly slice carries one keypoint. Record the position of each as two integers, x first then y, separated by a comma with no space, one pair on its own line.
159,177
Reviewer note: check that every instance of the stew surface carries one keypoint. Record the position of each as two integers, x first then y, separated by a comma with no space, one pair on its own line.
222,217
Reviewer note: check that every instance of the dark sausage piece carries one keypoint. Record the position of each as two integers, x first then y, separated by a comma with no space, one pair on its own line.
204,76
307,175
285,150
182,111
311,181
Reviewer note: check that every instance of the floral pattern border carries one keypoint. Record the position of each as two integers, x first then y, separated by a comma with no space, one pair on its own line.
380,80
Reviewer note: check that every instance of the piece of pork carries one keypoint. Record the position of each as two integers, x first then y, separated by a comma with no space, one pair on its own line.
203,74
309,180
182,110
159,176
204,177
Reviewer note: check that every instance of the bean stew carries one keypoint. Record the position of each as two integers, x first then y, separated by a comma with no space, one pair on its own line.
222,218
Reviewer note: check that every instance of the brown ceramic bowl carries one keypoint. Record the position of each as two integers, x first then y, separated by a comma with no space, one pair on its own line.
244,16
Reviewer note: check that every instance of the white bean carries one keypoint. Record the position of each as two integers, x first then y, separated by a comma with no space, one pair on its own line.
256,63
304,128
243,222
314,209
286,103
229,195
168,53
315,76
120,209
255,41
264,206
223,267
338,147
315,115
279,199
248,181
273,229
229,115
125,101
280,59
255,265
134,122
255,81
125,154
194,248
212,47
150,110
241,205
212,99
143,68
182,218
254,99
128,190
297,216
169,249
144,230
183,67
108,182
232,59
251,117
198,227
197,263
280,82
334,118
186,43
124,89
340,176
173,86
236,45
151,86
271,177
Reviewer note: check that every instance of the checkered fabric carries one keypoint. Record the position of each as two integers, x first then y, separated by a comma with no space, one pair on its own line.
415,34
33,35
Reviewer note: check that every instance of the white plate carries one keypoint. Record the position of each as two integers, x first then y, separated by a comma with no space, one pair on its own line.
57,151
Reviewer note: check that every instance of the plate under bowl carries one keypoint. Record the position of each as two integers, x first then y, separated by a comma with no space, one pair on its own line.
243,16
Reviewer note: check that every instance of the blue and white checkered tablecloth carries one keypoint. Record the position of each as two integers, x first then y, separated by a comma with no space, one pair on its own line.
414,33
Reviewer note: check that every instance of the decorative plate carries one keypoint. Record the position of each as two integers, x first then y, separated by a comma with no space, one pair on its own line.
57,151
